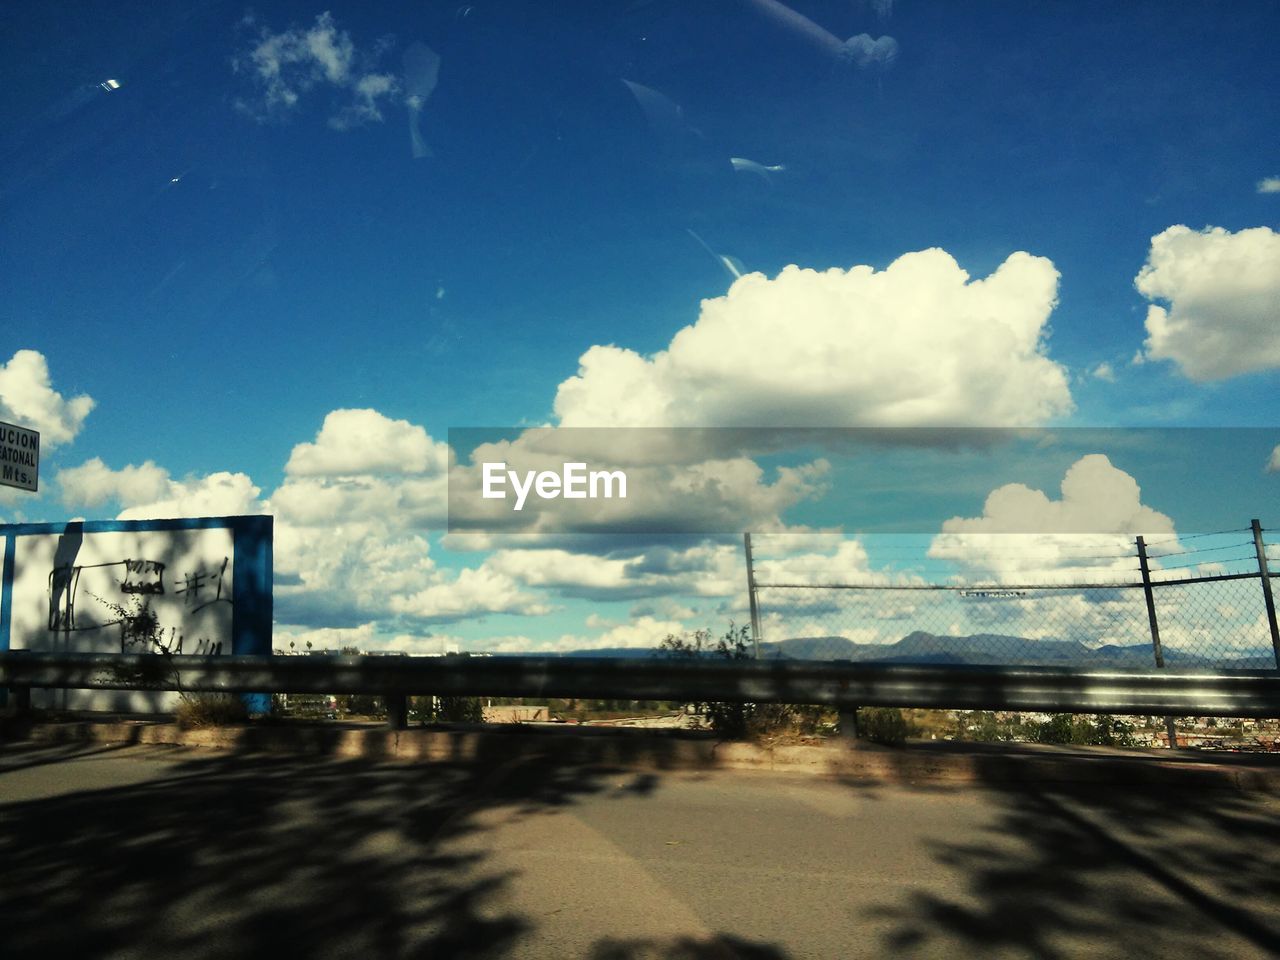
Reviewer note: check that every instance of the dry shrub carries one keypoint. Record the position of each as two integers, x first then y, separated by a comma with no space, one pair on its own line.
210,710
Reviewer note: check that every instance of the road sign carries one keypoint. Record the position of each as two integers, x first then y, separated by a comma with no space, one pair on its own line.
19,457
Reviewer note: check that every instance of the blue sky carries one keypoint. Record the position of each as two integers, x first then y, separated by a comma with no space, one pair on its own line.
238,241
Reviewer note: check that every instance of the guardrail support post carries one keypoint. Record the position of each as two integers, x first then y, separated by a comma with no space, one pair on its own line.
848,723
397,710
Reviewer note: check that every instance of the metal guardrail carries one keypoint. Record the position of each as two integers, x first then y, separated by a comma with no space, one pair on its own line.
1243,693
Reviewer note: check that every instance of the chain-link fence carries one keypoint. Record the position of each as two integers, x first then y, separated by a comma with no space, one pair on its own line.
1194,601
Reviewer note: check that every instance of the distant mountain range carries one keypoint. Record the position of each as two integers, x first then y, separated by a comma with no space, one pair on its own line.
980,648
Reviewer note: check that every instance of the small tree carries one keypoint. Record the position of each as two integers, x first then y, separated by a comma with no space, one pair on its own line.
1057,729
884,725
730,720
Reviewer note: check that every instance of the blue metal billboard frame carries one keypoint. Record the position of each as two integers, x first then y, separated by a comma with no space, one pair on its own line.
251,586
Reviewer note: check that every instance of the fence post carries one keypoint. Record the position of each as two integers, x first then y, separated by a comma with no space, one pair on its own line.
21,701
751,595
1151,602
1266,589
397,710
1169,726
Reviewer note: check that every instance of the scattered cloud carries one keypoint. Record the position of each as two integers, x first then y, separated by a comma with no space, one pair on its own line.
1221,289
1273,465
1269,185
285,67
27,399
365,107
916,344
1104,371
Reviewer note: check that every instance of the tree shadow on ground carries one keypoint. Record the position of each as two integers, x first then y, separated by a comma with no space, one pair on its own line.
685,948
22,756
1099,869
225,855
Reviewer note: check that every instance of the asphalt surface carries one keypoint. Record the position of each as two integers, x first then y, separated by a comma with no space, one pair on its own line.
142,851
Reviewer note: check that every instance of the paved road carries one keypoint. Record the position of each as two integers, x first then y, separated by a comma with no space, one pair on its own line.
128,852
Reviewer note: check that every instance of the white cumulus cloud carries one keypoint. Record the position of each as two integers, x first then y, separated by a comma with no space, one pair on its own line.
1087,533
27,398
1222,291
359,442
221,494
148,492
414,502
918,343
1269,185
93,483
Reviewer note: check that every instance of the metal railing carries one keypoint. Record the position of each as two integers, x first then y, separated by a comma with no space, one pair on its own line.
1202,601
1241,693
